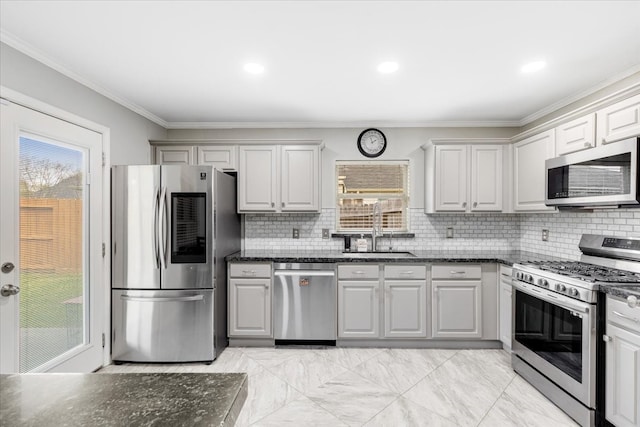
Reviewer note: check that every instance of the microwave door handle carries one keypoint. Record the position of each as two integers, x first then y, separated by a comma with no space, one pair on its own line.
162,227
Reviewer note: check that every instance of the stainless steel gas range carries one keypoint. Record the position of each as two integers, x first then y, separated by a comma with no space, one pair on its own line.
558,317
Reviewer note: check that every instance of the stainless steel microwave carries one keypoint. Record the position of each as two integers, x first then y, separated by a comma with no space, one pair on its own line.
598,177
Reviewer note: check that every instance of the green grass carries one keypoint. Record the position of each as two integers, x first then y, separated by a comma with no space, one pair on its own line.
42,297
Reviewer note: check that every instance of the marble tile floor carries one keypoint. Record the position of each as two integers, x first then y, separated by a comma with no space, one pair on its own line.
377,387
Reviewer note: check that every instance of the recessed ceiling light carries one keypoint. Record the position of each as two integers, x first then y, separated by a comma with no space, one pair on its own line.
388,67
254,68
534,66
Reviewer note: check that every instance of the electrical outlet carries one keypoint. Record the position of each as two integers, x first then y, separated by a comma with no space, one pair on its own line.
449,232
545,234
325,233
296,233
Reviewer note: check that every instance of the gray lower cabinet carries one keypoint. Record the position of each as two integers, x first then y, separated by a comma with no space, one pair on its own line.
505,305
622,388
405,301
358,308
456,301
249,300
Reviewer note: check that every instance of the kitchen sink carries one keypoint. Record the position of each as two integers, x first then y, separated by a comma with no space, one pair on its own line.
380,254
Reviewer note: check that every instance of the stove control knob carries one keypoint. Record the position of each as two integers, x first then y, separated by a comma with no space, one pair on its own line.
518,275
530,278
573,292
632,301
560,287
543,283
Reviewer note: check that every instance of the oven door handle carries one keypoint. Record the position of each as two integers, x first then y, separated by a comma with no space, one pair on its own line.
559,300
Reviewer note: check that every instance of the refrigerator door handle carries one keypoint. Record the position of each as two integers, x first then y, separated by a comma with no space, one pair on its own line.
162,228
162,299
156,236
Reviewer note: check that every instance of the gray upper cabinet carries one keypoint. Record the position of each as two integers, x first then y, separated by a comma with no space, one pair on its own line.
174,155
529,171
221,157
618,121
279,178
576,135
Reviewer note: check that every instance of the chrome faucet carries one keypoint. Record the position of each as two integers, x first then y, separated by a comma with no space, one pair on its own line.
376,230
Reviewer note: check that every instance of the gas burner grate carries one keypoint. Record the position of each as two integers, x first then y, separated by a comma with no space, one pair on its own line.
587,272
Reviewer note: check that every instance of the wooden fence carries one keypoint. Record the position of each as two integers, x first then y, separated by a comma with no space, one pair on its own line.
51,235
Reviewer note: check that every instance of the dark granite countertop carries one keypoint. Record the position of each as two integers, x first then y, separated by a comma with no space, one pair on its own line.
149,399
421,256
621,291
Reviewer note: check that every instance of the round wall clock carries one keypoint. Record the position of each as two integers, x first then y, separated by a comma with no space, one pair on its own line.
372,142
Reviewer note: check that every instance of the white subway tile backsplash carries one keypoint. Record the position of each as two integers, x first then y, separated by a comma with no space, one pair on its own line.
484,231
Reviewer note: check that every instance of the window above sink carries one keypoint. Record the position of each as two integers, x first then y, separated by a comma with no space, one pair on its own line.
362,184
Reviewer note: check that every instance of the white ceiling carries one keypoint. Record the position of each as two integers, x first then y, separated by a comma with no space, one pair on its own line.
181,63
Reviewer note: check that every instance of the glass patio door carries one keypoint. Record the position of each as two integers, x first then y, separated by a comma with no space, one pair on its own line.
50,246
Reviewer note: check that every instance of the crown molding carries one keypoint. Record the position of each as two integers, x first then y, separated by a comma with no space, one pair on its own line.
578,96
27,49
592,107
363,124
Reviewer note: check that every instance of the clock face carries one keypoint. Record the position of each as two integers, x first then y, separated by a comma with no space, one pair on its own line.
372,143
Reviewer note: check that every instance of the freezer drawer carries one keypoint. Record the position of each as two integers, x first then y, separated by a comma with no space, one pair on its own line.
162,325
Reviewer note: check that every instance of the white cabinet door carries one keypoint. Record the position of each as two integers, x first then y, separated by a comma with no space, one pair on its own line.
456,311
529,171
619,121
249,307
300,189
174,155
358,309
221,157
622,390
451,178
257,179
405,308
576,135
486,178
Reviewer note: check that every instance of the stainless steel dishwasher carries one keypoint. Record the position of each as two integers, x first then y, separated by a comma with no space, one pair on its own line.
304,302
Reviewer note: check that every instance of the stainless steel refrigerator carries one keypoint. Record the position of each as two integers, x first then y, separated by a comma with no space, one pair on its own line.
171,228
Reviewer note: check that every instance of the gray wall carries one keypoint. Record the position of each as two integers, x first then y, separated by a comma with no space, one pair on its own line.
130,132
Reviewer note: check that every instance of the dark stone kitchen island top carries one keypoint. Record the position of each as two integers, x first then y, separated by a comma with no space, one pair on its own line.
421,256
140,399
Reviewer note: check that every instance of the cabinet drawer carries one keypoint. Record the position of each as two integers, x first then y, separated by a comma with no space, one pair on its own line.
456,271
619,312
405,272
249,270
358,271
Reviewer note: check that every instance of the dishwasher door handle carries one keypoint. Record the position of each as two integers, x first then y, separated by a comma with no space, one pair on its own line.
325,273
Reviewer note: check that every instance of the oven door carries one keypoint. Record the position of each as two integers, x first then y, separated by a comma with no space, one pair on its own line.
556,335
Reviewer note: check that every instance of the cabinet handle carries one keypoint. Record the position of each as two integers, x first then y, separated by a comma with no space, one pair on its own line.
273,205
266,286
358,272
633,319
248,272
407,272
587,144
457,272
606,338
475,204
464,204
283,204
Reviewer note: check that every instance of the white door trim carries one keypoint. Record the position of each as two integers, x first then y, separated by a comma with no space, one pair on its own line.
35,104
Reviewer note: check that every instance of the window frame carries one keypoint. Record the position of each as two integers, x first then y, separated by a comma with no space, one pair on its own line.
405,196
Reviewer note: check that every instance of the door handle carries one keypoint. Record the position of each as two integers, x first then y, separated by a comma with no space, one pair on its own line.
8,267
156,235
162,299
8,290
162,228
